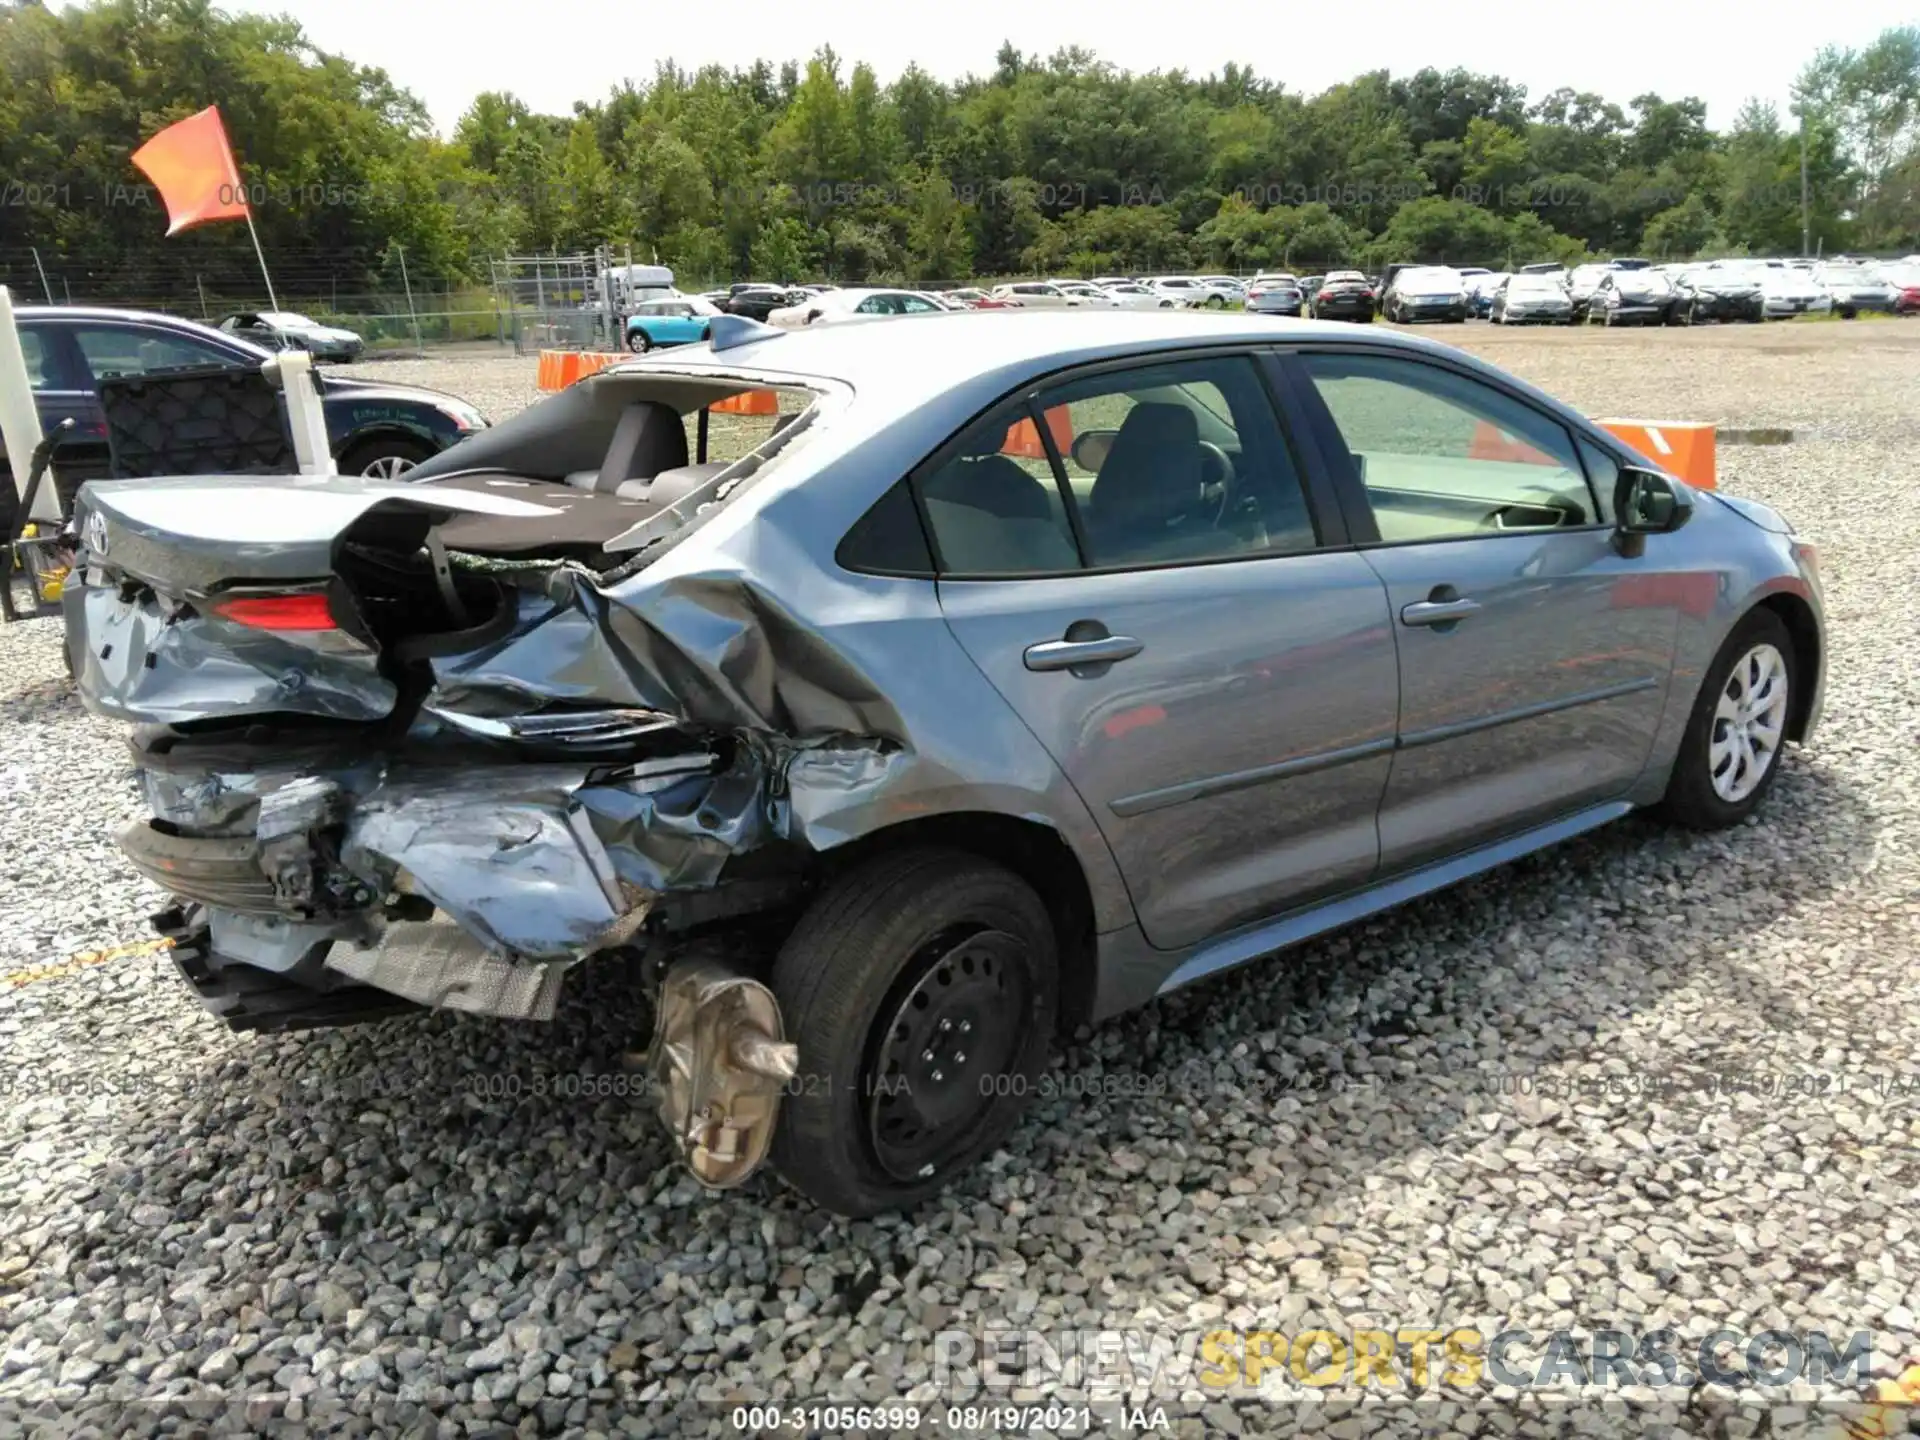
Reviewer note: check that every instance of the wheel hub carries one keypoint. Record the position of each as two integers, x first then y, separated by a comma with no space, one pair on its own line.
1749,723
947,1048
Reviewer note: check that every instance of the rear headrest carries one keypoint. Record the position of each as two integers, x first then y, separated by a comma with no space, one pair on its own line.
650,438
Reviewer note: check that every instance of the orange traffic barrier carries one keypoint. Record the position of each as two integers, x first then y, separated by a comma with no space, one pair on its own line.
560,368
1492,443
1680,447
748,402
1024,441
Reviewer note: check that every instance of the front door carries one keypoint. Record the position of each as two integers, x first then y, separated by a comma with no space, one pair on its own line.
1145,582
1534,660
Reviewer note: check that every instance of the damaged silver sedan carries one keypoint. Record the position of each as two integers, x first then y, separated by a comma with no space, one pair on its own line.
1022,669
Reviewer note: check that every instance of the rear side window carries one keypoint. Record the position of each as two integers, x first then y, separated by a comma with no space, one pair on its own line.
993,503
888,539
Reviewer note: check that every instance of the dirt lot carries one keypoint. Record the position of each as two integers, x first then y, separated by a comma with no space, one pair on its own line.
1645,1080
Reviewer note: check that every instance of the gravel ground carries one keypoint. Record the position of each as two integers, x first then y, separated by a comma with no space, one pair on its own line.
1442,1118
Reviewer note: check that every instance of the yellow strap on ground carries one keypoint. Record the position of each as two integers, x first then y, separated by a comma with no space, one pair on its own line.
86,959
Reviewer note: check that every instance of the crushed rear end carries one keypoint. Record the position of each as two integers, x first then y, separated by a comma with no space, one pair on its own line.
436,745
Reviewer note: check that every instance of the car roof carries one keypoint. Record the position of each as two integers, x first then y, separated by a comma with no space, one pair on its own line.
138,317
957,350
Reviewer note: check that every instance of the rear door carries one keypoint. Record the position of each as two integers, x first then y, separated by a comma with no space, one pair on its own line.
1131,557
1534,659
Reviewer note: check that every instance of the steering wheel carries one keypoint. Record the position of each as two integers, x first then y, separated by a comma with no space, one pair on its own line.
1217,469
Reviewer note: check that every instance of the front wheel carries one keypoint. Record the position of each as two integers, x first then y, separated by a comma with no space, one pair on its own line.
387,458
639,342
1730,753
921,990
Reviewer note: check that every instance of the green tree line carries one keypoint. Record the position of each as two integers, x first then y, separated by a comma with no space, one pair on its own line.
1054,164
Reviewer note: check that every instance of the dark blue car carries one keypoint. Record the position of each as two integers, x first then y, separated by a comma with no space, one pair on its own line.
374,428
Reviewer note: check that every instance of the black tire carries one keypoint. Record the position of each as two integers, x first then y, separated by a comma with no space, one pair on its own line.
1848,312
394,452
639,342
846,980
1691,799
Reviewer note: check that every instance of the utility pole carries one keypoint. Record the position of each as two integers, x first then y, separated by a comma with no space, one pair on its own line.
1806,228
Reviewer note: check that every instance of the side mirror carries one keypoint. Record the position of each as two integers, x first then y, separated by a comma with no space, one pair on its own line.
1645,502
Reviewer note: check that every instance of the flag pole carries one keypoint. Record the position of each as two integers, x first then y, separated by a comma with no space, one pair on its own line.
272,304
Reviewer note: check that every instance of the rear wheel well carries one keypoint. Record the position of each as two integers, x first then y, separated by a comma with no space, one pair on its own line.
1034,852
1797,616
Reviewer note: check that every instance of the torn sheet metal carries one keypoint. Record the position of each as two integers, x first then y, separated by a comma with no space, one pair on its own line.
503,850
718,651
151,661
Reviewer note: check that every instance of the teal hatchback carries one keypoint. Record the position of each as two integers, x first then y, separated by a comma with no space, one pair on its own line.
681,320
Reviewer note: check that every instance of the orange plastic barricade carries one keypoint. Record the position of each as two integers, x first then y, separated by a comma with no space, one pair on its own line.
1492,443
748,402
1680,447
592,362
1024,441
560,368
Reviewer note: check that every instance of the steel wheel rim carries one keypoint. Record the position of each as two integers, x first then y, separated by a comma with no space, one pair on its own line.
943,1051
389,467
1749,724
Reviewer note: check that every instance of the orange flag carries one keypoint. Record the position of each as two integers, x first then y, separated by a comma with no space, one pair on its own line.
191,164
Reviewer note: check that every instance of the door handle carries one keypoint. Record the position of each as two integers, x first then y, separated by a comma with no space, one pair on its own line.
1069,654
1438,612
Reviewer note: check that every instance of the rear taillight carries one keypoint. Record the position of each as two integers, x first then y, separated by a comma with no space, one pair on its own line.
305,611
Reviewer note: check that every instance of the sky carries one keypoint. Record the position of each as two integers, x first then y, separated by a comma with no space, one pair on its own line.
558,51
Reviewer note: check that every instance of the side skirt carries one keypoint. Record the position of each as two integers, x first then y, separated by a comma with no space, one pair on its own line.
1133,972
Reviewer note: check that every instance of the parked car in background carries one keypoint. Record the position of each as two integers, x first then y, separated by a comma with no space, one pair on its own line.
1183,288
1786,291
1138,297
1544,267
1582,280
1854,289
1086,290
974,298
680,320
1480,288
1039,295
866,842
861,303
373,427
1905,279
1529,300
1344,295
290,330
1230,290
1707,294
1426,292
758,301
1633,297
1310,287
1275,294
1104,280
1630,262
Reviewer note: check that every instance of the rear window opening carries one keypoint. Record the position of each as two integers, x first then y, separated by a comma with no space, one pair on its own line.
604,475
583,473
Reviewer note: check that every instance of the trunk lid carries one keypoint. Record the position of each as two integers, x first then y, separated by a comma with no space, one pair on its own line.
210,597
